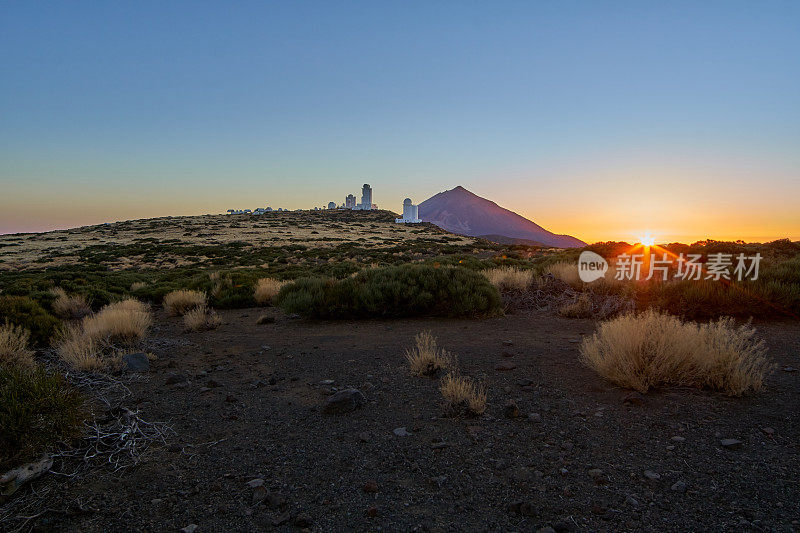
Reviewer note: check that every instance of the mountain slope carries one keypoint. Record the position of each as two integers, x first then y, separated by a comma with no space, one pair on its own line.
466,213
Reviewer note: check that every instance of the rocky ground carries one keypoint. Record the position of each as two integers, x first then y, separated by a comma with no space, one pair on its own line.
253,450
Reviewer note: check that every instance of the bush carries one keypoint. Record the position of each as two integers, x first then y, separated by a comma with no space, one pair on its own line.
581,307
396,291
26,313
461,394
66,306
509,278
178,303
37,410
201,319
653,349
14,349
266,290
93,345
426,358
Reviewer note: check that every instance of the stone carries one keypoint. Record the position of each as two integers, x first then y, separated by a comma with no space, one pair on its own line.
371,512
677,439
505,365
302,520
679,486
135,362
259,493
213,384
563,526
265,320
630,500
344,401
257,482
189,529
508,343
507,353
534,417
649,474
595,473
546,529
370,486
401,432
731,444
768,431
511,410
633,398
174,379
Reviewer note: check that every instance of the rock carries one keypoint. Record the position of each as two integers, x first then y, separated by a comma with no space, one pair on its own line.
507,353
135,362
563,526
265,320
649,474
595,473
213,384
372,512
189,529
633,398
327,382
259,493
302,520
789,369
768,431
523,508
364,436
505,365
511,410
731,444
679,486
534,417
546,529
401,432
344,401
508,343
370,486
174,379
257,482
231,399
677,439
12,480
630,500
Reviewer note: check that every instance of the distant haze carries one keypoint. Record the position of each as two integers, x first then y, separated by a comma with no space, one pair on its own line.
600,120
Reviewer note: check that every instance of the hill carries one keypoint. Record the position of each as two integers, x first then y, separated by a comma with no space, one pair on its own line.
461,211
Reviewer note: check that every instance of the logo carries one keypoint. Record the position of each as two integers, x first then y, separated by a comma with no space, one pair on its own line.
591,266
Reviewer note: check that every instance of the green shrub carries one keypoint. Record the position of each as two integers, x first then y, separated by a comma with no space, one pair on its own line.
396,291
24,312
37,410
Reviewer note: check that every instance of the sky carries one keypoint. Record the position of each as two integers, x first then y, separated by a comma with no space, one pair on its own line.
602,120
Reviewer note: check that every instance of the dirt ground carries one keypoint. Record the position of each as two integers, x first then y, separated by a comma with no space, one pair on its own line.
575,458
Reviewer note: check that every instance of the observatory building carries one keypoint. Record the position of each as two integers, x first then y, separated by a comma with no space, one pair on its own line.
350,202
410,213
366,197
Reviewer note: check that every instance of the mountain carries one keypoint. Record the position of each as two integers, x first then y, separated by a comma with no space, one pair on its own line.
460,211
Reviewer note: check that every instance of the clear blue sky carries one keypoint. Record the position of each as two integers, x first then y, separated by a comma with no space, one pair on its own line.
591,118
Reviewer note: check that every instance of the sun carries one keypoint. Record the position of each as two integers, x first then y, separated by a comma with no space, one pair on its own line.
648,240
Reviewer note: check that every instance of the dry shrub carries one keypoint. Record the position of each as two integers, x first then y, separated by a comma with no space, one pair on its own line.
124,321
653,349
461,394
178,303
266,289
509,278
218,283
92,345
138,285
581,307
426,358
14,350
201,319
566,272
66,306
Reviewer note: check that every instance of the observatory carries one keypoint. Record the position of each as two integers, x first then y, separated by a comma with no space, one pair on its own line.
366,197
410,213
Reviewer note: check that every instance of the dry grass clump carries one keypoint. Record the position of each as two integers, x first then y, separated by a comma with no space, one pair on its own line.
14,350
566,272
138,285
94,344
178,303
426,358
653,349
461,394
219,283
509,278
581,307
266,289
201,319
67,306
